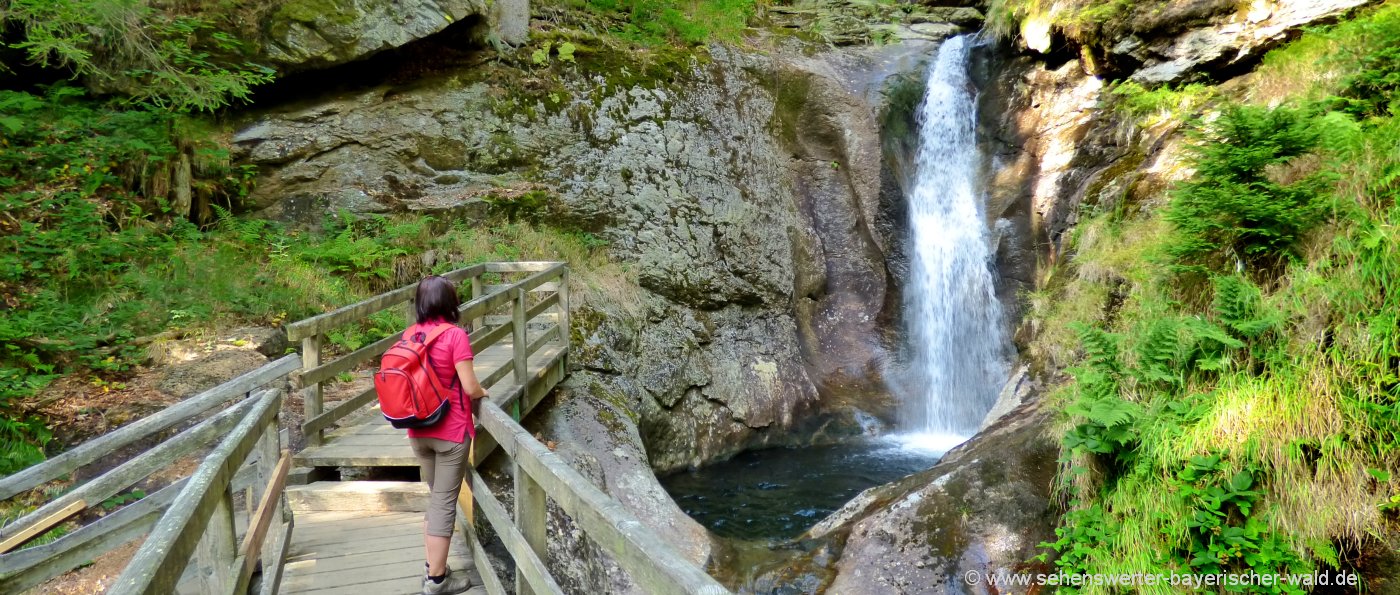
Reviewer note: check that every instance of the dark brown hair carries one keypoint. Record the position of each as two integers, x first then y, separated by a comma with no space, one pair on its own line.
436,300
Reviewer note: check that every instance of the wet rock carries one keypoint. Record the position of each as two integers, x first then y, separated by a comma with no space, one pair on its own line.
983,508
191,377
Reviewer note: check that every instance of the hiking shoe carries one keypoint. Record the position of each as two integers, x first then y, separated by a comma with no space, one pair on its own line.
450,585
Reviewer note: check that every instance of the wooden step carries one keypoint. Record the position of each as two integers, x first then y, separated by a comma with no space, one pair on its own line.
359,496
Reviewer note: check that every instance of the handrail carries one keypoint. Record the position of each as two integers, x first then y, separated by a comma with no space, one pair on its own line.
91,450
159,563
652,563
358,310
314,373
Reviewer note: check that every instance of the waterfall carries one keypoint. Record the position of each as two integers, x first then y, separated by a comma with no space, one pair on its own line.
956,333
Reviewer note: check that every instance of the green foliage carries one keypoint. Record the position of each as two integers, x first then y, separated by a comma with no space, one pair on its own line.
180,62
1375,91
1158,103
119,500
654,22
1235,213
1223,534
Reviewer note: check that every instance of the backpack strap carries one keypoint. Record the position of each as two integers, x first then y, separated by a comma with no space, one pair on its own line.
432,334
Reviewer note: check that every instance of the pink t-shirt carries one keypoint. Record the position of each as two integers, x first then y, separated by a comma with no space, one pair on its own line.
450,347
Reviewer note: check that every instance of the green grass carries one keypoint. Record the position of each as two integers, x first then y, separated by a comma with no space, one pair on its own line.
1236,406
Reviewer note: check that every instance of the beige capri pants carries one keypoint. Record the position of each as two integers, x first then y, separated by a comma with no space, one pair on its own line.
442,464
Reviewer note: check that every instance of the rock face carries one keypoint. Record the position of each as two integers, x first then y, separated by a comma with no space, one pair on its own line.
744,192
1177,41
307,34
1229,39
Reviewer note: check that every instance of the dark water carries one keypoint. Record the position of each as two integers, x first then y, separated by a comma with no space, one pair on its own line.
779,493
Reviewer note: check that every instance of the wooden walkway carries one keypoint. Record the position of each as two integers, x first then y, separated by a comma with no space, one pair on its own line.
369,441
363,537
363,553
246,522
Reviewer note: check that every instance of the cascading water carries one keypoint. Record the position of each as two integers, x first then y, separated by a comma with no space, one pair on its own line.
957,339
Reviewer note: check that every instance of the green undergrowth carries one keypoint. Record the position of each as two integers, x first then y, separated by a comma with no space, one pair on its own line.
1235,355
657,22
98,273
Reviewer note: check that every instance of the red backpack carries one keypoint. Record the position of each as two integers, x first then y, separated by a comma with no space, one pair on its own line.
410,394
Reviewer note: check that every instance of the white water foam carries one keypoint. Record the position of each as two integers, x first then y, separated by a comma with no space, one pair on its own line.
957,341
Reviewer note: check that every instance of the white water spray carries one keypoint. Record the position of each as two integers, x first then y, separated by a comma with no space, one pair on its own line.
957,336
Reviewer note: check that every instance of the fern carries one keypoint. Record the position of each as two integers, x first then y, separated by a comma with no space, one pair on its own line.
1158,353
1238,303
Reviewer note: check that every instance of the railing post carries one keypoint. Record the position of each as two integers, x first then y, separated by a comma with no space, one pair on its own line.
476,287
311,395
529,519
217,549
519,343
565,335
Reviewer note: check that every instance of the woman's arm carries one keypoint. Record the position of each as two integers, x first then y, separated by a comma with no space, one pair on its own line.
470,384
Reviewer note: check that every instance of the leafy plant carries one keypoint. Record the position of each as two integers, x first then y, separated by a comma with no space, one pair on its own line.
1234,214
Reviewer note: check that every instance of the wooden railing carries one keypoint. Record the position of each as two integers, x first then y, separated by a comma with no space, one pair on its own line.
193,519
25,568
200,527
540,475
546,281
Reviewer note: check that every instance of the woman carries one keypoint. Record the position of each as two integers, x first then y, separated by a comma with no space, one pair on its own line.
442,449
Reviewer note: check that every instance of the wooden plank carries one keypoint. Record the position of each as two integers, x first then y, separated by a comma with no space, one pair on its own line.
375,544
123,476
211,567
565,331
489,579
100,446
272,574
268,509
543,287
365,496
481,339
362,309
344,363
318,537
652,563
530,520
523,266
341,410
157,566
527,563
29,567
41,525
541,306
519,339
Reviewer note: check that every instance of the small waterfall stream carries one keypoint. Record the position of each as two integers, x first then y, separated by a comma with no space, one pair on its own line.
957,338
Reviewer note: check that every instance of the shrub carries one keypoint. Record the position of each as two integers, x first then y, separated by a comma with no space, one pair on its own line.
1235,213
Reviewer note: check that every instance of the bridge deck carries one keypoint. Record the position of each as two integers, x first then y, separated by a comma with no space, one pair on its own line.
367,440
359,553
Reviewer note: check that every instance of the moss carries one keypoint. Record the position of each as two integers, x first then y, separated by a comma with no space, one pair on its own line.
311,11
790,96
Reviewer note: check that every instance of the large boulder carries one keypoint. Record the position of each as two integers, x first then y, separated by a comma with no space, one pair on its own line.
310,34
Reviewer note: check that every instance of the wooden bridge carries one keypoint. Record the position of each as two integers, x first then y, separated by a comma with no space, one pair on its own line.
257,518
